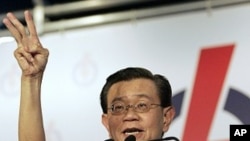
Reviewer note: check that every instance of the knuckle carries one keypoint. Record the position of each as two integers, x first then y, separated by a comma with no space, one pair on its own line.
46,51
17,52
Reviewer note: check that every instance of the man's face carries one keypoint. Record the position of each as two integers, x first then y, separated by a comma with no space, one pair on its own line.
144,126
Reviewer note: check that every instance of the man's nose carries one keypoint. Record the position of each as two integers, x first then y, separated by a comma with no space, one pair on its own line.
130,114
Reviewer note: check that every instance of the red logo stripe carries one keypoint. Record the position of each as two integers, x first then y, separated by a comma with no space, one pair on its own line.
211,72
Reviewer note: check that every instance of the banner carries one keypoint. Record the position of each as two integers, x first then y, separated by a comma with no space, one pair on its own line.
204,54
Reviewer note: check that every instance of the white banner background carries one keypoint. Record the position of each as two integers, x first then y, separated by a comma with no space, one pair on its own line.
80,60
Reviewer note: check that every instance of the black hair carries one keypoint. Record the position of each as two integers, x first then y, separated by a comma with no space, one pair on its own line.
163,85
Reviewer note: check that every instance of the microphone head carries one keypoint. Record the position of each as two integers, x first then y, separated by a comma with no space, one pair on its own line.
130,138
109,140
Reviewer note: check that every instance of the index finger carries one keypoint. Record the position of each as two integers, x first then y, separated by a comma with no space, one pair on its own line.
30,23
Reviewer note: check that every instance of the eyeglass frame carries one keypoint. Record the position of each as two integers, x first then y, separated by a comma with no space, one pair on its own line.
134,107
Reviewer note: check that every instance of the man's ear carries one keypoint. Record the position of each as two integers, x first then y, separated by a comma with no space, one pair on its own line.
105,121
168,115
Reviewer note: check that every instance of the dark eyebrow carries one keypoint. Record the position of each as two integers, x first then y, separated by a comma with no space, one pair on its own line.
137,95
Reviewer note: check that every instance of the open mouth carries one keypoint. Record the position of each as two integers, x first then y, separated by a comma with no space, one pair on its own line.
132,131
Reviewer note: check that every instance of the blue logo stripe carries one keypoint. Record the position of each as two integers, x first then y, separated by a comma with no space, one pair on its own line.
238,104
177,102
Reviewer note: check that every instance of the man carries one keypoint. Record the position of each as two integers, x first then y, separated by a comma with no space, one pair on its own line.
134,101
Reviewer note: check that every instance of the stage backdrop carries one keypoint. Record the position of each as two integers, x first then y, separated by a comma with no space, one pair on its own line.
206,57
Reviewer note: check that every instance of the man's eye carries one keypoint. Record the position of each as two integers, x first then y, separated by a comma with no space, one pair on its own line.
142,106
118,107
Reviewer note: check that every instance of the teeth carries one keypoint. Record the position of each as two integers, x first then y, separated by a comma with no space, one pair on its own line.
131,133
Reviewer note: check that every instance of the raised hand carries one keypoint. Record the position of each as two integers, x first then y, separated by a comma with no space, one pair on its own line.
31,56
32,59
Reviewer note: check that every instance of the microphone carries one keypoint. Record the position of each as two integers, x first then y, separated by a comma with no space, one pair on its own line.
128,138
109,140
132,138
166,139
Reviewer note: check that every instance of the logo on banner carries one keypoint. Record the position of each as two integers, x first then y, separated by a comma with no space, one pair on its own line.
85,71
210,75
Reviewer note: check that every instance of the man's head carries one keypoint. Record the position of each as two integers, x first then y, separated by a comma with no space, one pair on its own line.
134,101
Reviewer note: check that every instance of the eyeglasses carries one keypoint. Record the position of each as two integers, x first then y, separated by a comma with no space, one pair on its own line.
140,107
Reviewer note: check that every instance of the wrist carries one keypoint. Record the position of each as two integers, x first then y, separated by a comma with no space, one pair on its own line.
32,77
31,84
